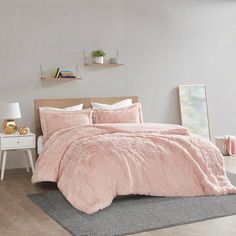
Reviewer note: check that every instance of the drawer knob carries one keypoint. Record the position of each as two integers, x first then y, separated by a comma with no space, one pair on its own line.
18,141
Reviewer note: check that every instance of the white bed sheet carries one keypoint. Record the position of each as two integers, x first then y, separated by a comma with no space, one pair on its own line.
40,144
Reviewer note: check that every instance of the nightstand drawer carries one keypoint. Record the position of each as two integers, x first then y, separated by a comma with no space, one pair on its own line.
17,142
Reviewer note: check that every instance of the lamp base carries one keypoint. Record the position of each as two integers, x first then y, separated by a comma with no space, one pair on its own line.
9,126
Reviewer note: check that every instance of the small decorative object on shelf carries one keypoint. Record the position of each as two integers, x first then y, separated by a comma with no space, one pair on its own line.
23,130
95,59
60,74
9,112
98,56
116,59
113,61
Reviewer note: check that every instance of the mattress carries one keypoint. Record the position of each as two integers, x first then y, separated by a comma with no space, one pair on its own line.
40,144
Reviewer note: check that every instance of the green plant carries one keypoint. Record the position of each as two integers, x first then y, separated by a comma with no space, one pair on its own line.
98,53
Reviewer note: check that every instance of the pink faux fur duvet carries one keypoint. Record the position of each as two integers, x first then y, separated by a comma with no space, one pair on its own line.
95,163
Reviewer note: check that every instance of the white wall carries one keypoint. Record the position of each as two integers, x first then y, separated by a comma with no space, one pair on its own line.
162,44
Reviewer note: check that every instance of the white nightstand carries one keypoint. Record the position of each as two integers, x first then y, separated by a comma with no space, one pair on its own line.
16,142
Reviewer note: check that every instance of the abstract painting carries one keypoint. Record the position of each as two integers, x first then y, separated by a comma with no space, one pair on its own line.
194,110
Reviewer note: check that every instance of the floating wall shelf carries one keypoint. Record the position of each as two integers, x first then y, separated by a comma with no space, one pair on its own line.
88,61
47,75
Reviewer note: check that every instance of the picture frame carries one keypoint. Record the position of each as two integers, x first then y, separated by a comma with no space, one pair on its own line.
194,109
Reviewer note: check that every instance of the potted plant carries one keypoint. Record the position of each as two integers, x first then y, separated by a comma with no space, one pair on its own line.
98,56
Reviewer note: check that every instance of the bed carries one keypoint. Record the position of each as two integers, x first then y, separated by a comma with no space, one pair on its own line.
94,163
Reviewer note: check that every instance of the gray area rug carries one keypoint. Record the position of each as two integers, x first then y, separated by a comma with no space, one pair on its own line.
135,214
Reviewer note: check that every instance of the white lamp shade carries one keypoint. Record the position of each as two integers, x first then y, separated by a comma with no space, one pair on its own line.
9,111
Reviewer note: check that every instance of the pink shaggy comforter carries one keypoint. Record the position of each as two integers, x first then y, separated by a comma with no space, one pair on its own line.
95,163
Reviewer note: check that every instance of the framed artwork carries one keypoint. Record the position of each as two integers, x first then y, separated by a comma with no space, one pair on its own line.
194,110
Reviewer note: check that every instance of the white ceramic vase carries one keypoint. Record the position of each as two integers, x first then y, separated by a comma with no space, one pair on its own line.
98,60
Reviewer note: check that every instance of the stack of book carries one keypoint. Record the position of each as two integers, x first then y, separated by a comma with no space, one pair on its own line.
59,73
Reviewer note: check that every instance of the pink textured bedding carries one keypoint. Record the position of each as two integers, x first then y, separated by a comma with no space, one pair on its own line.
54,120
95,163
128,114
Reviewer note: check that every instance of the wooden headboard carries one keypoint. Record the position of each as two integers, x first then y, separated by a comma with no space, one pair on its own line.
67,102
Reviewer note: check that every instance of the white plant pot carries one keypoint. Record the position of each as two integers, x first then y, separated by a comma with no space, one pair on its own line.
98,60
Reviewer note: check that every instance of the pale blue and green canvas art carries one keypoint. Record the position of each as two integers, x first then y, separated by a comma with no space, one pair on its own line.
194,111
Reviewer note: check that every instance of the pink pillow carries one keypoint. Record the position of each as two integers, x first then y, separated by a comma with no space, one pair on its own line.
130,114
52,121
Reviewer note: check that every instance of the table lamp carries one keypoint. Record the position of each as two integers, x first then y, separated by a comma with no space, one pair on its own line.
9,112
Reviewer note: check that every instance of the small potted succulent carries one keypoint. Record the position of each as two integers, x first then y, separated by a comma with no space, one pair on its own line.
98,56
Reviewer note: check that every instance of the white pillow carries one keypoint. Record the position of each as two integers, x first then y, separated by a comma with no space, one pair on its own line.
78,107
118,105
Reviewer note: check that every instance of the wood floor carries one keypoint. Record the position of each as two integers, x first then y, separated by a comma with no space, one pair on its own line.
20,217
